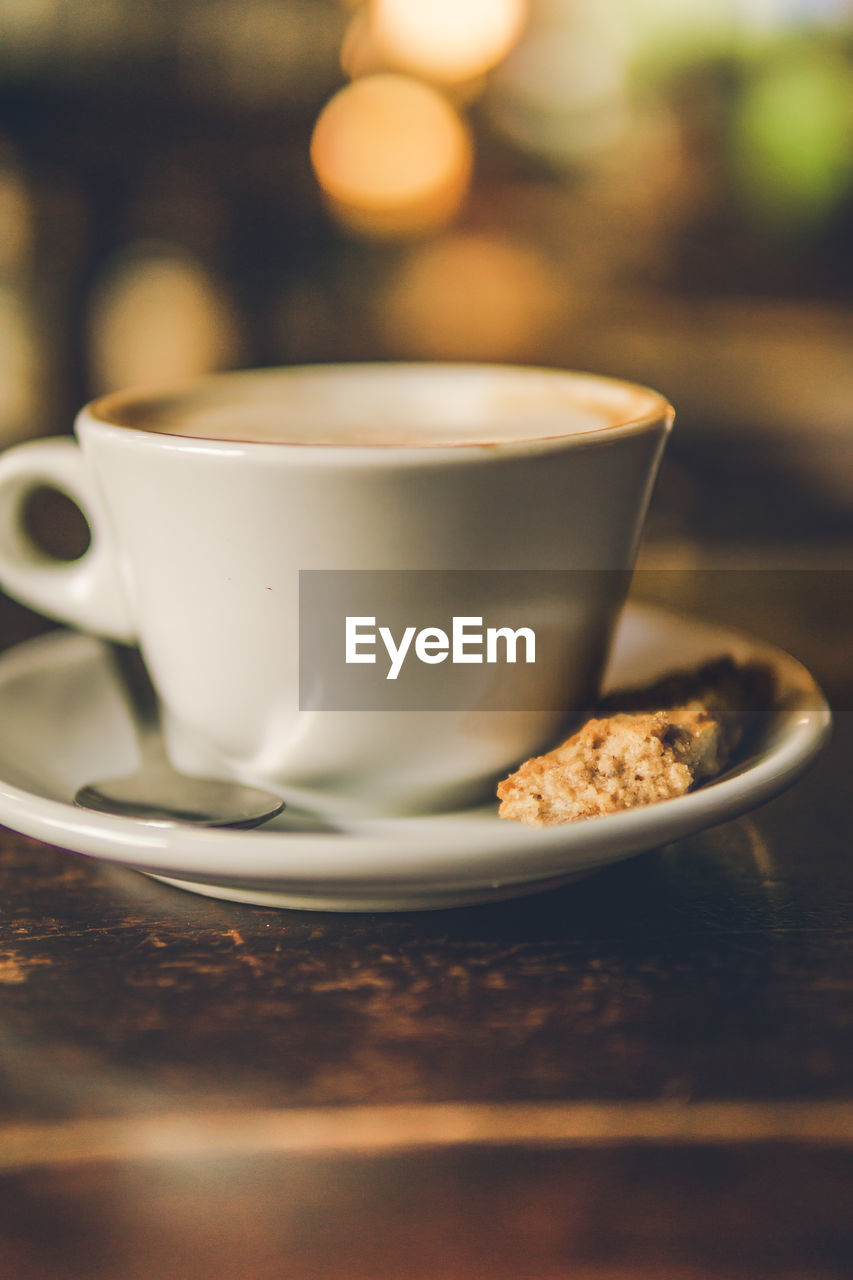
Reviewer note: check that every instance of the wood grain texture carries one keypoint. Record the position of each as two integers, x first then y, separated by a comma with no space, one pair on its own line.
719,967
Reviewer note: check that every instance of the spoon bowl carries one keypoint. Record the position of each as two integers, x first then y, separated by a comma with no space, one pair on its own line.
165,795
156,792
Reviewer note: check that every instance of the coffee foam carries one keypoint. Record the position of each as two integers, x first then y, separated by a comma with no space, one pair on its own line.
409,406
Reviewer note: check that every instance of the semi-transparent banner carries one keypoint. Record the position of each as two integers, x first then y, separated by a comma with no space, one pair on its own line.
420,640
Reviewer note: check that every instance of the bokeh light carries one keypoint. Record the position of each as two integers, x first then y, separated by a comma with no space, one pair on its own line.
562,94
157,316
392,156
21,371
16,229
447,40
469,296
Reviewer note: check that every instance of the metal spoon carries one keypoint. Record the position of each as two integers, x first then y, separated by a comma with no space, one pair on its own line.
157,792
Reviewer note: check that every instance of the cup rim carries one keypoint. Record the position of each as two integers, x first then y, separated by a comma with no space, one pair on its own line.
115,411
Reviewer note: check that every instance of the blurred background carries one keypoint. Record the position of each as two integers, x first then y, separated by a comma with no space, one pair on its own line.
659,189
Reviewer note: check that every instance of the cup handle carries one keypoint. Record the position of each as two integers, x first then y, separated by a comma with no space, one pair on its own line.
86,593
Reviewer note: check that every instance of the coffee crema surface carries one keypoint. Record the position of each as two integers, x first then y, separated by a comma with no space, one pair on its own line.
403,406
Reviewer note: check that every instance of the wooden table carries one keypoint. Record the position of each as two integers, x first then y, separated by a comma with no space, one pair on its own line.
645,1076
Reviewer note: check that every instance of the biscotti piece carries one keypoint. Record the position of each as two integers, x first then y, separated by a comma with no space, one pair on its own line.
648,752
736,695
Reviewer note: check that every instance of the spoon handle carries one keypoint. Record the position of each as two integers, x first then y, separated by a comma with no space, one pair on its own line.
129,666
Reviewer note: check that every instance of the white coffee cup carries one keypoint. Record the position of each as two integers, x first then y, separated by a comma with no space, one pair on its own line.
207,501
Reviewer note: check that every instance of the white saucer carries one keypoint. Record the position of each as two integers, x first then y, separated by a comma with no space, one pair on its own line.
65,723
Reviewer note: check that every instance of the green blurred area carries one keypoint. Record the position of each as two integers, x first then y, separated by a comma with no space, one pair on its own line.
792,136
